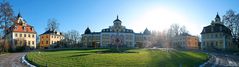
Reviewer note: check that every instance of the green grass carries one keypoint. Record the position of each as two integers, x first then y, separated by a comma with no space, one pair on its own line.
110,58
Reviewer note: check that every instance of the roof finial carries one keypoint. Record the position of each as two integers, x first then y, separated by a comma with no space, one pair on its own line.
117,16
217,16
19,14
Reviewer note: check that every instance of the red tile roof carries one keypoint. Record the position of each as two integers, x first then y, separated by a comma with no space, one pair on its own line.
20,25
20,28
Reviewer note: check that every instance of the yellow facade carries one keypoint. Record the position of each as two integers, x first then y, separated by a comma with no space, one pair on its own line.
46,40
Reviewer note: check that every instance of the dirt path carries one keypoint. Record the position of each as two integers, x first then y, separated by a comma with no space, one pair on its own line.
12,60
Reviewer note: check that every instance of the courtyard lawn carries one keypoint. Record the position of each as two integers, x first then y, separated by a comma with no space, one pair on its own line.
110,58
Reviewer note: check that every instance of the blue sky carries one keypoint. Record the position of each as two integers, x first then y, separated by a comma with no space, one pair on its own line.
134,14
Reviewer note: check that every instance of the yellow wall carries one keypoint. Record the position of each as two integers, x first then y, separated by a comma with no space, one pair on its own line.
48,39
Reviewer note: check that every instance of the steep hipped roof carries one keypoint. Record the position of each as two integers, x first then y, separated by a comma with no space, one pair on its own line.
19,28
20,25
52,32
87,31
147,32
125,30
215,28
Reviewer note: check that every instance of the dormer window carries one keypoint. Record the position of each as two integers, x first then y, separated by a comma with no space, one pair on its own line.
15,27
24,28
31,29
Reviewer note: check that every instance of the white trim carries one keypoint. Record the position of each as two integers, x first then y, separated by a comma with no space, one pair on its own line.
26,62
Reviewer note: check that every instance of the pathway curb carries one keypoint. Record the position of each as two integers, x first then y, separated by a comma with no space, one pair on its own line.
23,60
210,58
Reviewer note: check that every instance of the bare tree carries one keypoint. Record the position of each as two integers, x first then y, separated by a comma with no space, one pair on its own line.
72,39
231,20
154,38
159,39
1,46
6,15
52,24
164,38
183,30
174,30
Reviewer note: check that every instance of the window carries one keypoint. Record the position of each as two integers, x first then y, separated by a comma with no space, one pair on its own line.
28,35
15,27
32,42
20,35
31,29
41,36
24,28
25,35
215,35
16,35
42,42
220,28
46,42
34,36
46,36
29,42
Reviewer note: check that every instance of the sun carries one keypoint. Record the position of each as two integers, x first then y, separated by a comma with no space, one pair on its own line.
159,19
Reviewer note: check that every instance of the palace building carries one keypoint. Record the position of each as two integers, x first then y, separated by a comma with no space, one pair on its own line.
216,36
186,41
116,35
21,34
50,38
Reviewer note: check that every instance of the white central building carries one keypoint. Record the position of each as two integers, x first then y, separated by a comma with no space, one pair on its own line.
116,35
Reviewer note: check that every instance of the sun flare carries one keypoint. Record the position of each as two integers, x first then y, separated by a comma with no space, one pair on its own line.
159,19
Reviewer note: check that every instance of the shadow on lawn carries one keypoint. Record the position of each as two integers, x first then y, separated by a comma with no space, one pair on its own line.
70,49
79,55
111,50
121,50
103,51
173,59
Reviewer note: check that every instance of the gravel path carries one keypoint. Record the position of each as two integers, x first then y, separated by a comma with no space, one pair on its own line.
223,60
12,60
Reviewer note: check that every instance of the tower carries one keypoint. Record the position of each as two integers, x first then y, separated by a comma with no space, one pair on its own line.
217,20
117,22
